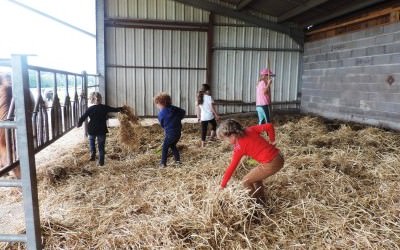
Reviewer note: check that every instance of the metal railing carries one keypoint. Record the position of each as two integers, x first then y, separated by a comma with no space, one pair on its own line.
32,124
55,110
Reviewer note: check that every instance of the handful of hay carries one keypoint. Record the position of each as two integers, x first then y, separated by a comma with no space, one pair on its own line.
129,128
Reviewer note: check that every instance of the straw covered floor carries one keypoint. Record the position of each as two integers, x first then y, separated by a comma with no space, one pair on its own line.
339,189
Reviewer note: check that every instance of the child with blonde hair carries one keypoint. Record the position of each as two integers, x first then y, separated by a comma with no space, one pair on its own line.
249,142
97,127
263,96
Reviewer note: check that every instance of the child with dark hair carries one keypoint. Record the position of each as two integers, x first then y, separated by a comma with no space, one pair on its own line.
97,127
248,141
170,118
205,111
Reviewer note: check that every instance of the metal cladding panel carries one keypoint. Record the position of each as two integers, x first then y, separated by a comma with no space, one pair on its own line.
221,20
137,88
227,20
251,37
144,62
239,55
155,10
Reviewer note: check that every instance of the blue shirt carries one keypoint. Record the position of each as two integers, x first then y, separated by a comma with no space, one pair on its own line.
170,120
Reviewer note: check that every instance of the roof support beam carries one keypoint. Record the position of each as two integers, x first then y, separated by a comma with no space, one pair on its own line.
348,10
294,32
243,4
300,9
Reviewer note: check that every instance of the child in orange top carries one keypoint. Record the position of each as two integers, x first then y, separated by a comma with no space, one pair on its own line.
250,142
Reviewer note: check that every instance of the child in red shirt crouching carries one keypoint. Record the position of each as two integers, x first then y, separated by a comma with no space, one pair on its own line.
248,141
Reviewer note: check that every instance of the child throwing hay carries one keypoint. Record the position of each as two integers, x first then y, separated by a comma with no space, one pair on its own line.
248,141
170,118
206,113
97,127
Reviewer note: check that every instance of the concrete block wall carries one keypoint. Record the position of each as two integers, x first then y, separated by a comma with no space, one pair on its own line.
345,77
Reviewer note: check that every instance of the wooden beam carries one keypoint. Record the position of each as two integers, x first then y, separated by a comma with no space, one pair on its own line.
243,4
335,14
300,9
294,32
373,15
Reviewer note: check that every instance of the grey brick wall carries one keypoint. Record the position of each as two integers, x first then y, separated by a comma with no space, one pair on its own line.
345,77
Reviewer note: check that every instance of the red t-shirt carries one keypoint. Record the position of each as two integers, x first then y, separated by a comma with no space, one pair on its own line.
254,145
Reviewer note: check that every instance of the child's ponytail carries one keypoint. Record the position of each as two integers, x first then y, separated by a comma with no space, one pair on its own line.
200,97
204,89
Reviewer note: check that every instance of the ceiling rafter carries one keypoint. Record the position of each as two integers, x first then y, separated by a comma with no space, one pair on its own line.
347,10
243,4
300,9
294,32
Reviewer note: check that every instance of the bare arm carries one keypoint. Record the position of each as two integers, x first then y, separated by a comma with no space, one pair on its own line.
214,111
268,87
197,111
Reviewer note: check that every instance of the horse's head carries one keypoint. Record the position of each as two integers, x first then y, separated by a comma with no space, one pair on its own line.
5,79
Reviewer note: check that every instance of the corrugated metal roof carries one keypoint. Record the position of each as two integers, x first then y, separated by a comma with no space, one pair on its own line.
300,12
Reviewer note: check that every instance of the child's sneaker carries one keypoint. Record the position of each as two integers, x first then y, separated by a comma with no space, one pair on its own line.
92,157
101,162
163,166
178,163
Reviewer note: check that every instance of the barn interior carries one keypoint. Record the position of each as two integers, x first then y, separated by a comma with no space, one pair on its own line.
335,105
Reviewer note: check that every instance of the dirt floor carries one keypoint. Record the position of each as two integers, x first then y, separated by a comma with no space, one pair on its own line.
11,208
338,190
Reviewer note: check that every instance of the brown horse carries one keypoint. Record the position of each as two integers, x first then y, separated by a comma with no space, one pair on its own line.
5,102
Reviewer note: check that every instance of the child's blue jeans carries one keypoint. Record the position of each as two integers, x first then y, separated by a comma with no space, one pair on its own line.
101,141
170,141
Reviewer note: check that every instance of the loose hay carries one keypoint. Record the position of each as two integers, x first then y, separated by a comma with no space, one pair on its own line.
339,189
129,130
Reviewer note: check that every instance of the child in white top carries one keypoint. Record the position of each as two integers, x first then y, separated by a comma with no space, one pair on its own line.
206,113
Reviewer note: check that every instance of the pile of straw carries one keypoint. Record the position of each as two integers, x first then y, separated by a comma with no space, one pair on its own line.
130,129
339,189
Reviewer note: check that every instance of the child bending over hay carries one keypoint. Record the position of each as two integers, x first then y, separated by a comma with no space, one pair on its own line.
206,113
170,118
250,142
97,127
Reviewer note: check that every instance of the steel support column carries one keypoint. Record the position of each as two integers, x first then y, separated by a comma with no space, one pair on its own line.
210,40
26,151
101,48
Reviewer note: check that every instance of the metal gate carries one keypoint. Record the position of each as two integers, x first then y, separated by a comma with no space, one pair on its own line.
34,123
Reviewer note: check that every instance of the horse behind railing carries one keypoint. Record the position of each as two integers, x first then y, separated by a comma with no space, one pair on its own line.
5,101
5,104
